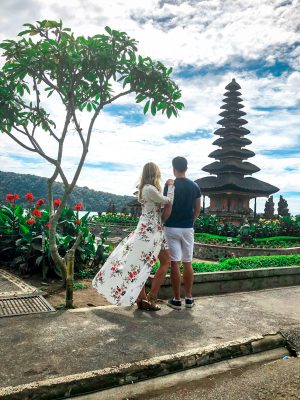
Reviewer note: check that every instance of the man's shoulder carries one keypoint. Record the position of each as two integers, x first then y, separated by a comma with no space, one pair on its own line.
192,184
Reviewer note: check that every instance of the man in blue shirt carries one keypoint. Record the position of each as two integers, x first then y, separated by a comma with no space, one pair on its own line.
179,232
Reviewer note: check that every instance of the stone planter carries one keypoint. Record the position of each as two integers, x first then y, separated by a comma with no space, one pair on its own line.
208,283
215,252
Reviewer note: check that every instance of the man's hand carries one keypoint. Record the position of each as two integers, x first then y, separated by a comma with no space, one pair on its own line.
170,182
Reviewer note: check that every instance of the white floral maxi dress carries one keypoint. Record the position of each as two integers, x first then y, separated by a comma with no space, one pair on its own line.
125,272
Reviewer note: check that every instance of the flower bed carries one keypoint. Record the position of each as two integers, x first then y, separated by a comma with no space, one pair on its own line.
24,236
263,228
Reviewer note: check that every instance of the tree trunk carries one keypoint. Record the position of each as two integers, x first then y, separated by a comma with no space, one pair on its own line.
70,257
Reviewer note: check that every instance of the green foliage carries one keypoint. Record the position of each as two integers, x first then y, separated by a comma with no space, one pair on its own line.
24,238
81,70
79,286
213,224
234,264
92,200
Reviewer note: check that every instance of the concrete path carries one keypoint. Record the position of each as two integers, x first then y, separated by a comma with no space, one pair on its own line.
47,346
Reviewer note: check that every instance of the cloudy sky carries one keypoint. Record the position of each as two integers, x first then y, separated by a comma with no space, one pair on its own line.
207,43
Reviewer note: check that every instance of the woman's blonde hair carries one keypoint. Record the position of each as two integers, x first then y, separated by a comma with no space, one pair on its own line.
150,175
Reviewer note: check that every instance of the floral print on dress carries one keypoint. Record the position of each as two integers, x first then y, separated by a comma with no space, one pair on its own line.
132,274
126,270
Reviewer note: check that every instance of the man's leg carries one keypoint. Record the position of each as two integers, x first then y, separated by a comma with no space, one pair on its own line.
176,278
187,257
188,277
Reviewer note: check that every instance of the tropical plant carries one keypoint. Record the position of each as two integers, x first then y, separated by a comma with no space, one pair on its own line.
80,74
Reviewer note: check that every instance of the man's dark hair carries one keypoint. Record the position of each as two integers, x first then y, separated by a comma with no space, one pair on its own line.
180,164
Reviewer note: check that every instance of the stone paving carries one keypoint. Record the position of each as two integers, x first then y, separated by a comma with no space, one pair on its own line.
11,285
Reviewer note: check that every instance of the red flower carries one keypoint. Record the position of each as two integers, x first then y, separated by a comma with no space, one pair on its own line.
56,203
30,221
29,197
78,222
47,225
16,196
78,207
40,202
37,213
10,197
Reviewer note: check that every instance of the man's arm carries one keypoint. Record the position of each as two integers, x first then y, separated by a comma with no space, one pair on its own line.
197,208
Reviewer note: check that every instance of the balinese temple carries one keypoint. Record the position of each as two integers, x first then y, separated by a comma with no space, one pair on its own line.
231,186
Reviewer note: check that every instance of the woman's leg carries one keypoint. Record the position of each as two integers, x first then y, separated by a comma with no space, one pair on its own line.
142,295
159,277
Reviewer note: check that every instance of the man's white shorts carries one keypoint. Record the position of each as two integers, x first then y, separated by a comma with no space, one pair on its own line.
181,243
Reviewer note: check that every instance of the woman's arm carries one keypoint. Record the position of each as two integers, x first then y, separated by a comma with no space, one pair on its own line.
157,197
166,212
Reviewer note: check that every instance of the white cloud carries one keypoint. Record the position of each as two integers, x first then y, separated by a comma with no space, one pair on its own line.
196,33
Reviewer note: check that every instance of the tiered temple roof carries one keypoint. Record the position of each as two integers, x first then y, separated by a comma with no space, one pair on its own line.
230,166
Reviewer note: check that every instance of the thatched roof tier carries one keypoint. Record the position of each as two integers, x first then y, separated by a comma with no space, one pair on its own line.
235,130
256,187
232,113
232,139
231,121
233,85
230,100
231,166
231,151
236,106
232,94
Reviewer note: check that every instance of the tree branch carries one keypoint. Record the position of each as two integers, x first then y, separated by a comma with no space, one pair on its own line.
19,142
117,96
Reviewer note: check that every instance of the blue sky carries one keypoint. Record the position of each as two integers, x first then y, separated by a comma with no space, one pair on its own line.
207,43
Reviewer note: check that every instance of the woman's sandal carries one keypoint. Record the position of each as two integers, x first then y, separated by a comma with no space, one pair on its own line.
147,305
139,304
152,301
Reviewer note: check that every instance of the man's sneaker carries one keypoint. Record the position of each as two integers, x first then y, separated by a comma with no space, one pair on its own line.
176,304
189,303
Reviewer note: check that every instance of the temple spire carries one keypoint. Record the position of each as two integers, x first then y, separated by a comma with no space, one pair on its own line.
231,188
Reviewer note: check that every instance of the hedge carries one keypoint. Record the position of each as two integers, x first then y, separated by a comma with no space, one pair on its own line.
234,264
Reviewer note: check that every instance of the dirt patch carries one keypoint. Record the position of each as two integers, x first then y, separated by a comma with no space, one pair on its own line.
55,293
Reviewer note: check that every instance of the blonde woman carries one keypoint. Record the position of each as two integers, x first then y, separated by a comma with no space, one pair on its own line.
122,278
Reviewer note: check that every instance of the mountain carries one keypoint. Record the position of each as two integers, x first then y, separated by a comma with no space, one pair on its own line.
92,200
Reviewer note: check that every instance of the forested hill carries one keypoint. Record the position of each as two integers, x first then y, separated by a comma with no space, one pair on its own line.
92,200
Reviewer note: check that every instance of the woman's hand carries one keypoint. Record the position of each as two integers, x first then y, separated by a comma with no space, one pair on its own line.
170,182
166,212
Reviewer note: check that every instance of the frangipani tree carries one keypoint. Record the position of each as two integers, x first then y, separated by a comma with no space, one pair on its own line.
83,73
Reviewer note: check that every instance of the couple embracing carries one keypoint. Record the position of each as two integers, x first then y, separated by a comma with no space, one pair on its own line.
164,232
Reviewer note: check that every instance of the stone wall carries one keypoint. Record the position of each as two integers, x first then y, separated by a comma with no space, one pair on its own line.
208,283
